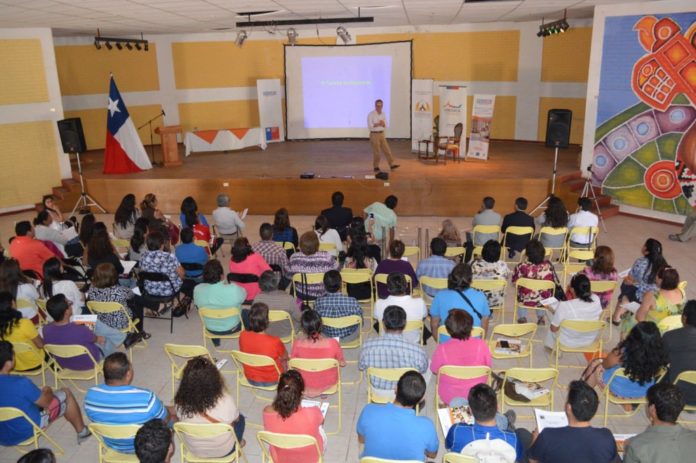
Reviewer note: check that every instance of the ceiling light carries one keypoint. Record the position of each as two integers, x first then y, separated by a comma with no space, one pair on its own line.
553,28
129,46
343,34
97,45
138,46
292,36
109,46
241,38
119,46
146,46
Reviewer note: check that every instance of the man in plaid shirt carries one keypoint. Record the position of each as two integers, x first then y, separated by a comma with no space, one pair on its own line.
272,253
435,266
334,304
392,350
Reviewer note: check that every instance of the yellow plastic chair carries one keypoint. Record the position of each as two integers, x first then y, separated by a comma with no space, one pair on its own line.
434,283
344,322
459,373
205,245
493,285
275,316
327,247
105,308
112,431
23,347
530,375
476,332
381,278
516,231
318,365
60,374
524,332
609,397
687,377
201,431
23,303
413,254
411,325
179,355
570,269
532,285
120,244
454,251
10,413
452,457
219,314
479,230
579,255
386,374
592,232
553,232
602,286
253,360
310,279
670,322
580,326
41,310
384,460
287,245
682,285
359,276
285,441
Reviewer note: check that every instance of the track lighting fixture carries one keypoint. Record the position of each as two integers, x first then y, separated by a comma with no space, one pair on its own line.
343,34
292,36
241,38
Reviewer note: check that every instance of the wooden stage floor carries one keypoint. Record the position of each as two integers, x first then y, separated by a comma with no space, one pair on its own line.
267,180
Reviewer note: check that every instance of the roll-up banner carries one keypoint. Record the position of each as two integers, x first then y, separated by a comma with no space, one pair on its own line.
270,109
453,112
422,111
481,120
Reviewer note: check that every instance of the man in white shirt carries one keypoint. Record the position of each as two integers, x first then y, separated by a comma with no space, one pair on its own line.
583,218
226,220
377,123
398,295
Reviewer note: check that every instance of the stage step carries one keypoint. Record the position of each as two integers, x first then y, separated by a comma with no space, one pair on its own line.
572,185
66,194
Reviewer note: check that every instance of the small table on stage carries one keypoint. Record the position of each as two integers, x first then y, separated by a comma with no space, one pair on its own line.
224,139
427,149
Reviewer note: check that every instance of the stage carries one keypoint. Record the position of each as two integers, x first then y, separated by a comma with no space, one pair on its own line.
263,181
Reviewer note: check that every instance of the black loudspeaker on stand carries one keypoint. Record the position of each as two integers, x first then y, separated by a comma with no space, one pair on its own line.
73,140
557,136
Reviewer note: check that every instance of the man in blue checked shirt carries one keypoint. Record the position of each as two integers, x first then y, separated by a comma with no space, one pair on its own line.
335,304
435,266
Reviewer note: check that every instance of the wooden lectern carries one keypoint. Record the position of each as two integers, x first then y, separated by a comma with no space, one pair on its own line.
170,148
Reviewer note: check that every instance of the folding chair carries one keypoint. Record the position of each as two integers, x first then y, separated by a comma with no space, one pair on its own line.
327,247
121,245
452,457
670,322
201,431
287,442
57,352
524,332
112,431
530,375
518,232
287,245
299,280
192,267
359,276
411,325
479,234
242,359
319,365
412,251
170,301
205,245
185,352
23,347
554,232
637,402
688,376
105,308
476,332
591,232
384,460
41,310
532,285
11,413
434,283
275,316
219,315
459,373
580,326
386,374
455,251
381,278
344,322
602,286
493,285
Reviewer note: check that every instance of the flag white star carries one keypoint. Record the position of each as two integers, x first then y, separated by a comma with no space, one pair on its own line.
113,107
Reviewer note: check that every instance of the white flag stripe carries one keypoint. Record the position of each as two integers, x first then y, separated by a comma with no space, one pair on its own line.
127,137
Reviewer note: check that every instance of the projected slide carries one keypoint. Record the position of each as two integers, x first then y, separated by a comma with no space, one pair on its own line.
329,90
339,90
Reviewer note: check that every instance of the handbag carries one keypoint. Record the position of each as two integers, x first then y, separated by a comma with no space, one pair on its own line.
558,291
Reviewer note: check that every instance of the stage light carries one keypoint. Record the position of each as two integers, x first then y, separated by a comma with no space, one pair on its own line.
292,36
343,34
129,46
241,38
97,45
119,46
553,28
138,46
109,46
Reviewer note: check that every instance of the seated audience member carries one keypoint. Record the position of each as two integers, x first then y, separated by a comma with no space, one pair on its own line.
489,266
100,249
43,406
579,441
282,230
326,234
255,340
680,345
382,218
314,345
583,306
536,267
391,350
66,240
157,220
49,204
395,263
483,403
602,269
642,356
227,221
398,295
450,234
272,252
555,216
485,216
583,218
357,232
138,247
246,267
160,261
460,350
190,253
191,218
664,439
286,415
28,251
38,456
334,304
202,398
87,229
459,295
339,217
124,218
310,260
154,442
118,402
14,328
101,342
394,431
519,218
641,278
435,266
15,282
358,258
55,283
275,299
216,293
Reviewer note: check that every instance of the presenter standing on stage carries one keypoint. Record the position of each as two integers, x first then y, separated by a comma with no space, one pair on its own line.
377,123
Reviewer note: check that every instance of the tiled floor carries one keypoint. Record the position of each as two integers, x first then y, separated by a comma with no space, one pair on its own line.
624,234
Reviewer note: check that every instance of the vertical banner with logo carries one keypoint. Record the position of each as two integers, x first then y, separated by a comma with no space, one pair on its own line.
270,109
481,120
422,111
453,112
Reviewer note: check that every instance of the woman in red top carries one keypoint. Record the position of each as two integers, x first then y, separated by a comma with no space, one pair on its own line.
286,416
247,267
256,341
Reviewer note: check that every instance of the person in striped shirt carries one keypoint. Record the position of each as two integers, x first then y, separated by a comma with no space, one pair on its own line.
117,402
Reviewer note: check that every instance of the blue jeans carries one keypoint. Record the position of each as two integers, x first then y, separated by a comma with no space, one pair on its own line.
112,338
216,341
522,312
500,420
262,383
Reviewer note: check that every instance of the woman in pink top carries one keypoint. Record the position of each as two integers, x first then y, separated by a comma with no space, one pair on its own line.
460,350
246,267
286,416
315,346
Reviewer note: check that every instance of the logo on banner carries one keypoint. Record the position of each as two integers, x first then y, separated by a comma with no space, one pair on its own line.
449,107
272,133
422,107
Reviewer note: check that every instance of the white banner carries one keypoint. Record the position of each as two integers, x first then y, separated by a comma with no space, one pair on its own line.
453,112
481,120
270,109
421,111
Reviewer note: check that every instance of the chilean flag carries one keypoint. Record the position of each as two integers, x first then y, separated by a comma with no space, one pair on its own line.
124,152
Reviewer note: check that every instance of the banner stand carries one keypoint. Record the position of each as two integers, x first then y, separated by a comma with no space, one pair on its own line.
481,120
453,112
421,112
270,109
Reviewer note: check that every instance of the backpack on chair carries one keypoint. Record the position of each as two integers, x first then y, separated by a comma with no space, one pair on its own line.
490,450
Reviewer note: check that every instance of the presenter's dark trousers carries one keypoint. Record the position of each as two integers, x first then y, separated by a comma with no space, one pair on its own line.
379,143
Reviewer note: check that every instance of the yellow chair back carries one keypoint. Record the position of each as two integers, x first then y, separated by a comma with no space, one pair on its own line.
202,431
452,457
286,441
454,251
179,355
110,431
327,247
11,413
345,322
275,315
386,374
670,322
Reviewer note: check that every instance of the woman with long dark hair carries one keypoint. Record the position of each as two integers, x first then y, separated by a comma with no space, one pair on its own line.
150,210
287,416
555,216
87,229
191,218
357,257
641,278
326,234
203,398
54,282
124,218
14,328
100,250
602,269
245,261
489,266
19,286
536,267
137,246
282,230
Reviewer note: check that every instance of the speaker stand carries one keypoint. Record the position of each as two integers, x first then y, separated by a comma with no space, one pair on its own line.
85,201
542,205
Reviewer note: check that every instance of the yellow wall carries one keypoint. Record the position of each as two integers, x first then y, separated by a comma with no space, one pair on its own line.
84,70
22,77
577,105
566,57
28,163
94,124
219,115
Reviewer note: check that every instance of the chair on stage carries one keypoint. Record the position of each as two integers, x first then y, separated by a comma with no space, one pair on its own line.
450,145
